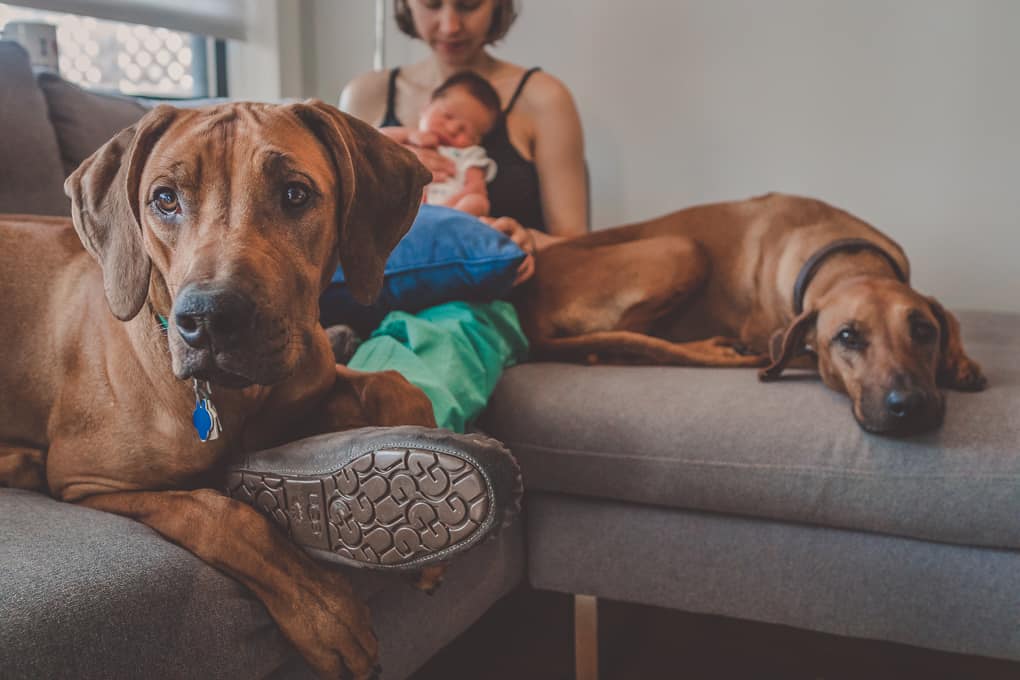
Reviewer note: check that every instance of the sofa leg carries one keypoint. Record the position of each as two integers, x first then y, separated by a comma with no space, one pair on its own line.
586,637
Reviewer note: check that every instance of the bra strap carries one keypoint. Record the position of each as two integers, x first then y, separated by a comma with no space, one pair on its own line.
391,98
520,86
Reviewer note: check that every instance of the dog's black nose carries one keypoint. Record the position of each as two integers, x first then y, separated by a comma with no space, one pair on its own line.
212,316
904,403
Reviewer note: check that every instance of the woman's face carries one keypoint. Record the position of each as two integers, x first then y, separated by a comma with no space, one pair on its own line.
455,30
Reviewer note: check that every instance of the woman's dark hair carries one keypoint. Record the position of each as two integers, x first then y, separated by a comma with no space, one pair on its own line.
476,86
503,14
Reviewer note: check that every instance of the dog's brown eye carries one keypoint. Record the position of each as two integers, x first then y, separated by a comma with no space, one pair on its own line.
923,332
295,195
850,338
166,201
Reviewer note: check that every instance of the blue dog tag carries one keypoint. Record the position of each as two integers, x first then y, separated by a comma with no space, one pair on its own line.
205,418
202,420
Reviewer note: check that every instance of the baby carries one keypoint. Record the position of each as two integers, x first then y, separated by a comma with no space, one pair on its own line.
462,110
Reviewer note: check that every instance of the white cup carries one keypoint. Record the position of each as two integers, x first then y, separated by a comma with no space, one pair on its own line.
38,39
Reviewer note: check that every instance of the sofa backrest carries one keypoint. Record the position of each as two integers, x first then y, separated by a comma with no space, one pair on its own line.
83,120
31,174
48,126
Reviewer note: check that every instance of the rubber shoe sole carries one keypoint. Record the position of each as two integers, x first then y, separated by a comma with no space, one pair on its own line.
395,498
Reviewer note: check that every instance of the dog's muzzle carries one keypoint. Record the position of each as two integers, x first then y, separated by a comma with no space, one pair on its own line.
213,318
222,343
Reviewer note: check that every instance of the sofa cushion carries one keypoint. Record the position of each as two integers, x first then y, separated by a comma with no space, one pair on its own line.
86,594
719,440
85,120
31,176
855,583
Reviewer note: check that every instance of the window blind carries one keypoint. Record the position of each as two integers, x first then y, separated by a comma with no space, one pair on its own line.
218,18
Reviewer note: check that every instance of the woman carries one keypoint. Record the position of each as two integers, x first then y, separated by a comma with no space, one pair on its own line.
539,194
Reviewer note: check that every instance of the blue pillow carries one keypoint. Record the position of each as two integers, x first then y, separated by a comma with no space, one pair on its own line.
446,255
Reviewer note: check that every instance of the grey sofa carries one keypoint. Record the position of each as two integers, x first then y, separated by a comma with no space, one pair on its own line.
701,490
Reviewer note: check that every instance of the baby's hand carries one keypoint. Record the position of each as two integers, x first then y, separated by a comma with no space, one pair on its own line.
423,139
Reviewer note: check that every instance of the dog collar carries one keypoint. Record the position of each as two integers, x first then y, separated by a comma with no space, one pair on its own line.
845,245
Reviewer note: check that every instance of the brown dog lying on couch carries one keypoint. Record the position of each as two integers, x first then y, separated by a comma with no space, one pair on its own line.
215,231
730,284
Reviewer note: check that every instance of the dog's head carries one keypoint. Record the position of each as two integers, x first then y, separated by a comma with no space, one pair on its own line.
886,346
230,221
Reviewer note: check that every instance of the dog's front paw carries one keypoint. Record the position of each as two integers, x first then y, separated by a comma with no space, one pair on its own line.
736,353
332,629
968,377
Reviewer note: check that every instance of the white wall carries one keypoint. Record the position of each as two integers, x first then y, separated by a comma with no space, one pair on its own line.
338,42
269,63
905,112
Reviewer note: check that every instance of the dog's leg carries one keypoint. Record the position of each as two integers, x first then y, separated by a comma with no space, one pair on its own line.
629,347
313,604
386,398
600,303
22,468
360,399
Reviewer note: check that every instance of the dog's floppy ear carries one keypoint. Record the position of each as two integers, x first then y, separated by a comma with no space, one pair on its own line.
104,208
955,369
380,185
790,347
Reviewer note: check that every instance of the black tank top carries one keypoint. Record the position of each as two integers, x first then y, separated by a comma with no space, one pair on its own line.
514,191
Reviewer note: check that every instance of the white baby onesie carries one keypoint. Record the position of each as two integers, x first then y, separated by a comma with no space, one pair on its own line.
439,193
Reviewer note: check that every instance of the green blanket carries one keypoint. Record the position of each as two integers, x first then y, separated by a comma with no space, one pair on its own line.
455,352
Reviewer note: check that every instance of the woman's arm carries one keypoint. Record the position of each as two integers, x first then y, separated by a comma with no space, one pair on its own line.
400,135
559,155
365,97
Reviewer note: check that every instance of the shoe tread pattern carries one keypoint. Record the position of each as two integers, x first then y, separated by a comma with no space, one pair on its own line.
383,509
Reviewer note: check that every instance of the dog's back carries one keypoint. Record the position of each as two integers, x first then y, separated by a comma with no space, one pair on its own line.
752,250
44,273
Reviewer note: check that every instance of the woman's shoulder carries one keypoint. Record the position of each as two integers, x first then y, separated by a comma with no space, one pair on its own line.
365,95
545,93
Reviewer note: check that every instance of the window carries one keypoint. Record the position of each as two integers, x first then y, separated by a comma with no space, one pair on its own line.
130,58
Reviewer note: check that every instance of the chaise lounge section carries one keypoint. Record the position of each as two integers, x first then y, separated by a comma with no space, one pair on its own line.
697,489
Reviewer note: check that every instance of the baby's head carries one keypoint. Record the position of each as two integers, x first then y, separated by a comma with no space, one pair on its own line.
463,109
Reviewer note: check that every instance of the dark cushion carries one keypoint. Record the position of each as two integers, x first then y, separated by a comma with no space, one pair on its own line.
31,176
85,120
86,594
446,255
719,440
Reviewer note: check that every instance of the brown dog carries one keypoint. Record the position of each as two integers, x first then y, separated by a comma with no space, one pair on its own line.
229,222
728,284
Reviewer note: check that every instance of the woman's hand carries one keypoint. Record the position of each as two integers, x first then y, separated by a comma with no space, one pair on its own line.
523,237
423,145
518,233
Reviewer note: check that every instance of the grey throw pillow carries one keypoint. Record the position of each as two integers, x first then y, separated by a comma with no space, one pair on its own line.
85,120
31,176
